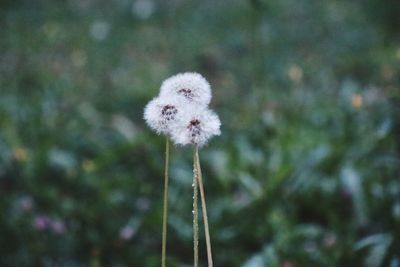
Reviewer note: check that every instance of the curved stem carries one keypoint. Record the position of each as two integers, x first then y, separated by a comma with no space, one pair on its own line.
165,206
204,209
195,213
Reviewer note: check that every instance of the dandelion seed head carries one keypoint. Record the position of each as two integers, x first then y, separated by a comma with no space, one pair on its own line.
186,92
161,112
190,85
196,127
169,112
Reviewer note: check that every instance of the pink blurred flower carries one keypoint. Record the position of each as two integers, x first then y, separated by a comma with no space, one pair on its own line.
41,222
287,264
57,227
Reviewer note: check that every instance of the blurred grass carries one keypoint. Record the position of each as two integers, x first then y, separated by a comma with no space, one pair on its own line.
304,174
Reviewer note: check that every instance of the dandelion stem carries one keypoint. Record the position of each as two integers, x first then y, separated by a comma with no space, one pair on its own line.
195,213
165,206
204,208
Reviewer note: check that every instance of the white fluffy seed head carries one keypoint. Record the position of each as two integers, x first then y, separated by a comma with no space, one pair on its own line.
190,85
161,113
195,127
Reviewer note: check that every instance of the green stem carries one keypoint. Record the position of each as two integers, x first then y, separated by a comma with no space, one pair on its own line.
204,209
195,213
165,206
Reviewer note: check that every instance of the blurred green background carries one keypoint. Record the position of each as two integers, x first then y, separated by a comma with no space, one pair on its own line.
305,173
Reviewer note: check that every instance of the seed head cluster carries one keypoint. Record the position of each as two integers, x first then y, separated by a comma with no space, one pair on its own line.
181,110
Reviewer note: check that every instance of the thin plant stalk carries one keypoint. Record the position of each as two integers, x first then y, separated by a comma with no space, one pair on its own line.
204,208
195,213
165,206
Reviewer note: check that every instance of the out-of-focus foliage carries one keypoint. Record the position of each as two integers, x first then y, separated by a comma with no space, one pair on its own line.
305,173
